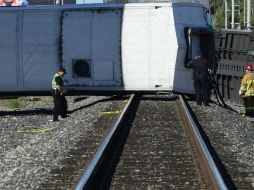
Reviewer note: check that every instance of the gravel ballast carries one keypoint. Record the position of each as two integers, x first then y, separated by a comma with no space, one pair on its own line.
231,135
32,145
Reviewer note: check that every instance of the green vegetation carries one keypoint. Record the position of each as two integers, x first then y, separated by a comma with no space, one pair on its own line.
219,13
14,103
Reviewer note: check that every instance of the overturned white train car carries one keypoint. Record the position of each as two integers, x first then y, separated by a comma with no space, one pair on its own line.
104,47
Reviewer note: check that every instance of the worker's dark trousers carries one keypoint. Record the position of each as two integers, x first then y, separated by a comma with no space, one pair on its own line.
201,87
60,106
249,104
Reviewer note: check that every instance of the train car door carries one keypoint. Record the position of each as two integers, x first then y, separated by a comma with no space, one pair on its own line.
91,47
8,53
199,39
39,51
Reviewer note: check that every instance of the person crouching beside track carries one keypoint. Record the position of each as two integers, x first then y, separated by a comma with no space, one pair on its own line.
201,71
60,102
247,90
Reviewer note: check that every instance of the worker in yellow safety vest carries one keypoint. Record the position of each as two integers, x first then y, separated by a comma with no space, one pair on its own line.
60,102
247,90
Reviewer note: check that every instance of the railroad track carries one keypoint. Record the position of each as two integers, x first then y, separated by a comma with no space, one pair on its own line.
237,172
71,168
152,146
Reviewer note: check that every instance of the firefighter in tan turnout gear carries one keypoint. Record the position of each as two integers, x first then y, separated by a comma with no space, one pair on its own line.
247,90
60,102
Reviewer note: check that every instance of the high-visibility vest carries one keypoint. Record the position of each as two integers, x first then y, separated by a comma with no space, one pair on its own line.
247,85
53,83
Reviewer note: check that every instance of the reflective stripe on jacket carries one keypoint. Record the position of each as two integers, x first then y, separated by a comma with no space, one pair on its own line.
247,85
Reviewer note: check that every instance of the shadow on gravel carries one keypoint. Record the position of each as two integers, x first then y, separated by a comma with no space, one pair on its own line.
160,97
225,175
98,101
43,111
27,112
79,99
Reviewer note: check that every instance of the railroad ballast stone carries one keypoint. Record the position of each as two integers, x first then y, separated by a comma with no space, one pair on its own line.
27,158
156,154
231,136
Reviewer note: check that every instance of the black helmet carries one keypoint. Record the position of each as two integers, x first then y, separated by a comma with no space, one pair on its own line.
61,69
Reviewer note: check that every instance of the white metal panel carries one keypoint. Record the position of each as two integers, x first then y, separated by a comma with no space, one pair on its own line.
135,47
41,30
147,47
104,70
106,47
8,36
163,49
95,36
77,42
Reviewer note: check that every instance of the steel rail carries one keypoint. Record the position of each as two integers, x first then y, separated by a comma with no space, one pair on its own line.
91,170
215,173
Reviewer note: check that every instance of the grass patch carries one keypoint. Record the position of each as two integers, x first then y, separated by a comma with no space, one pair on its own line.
14,103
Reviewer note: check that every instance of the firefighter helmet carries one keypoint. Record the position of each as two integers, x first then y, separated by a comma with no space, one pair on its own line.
249,67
